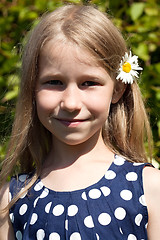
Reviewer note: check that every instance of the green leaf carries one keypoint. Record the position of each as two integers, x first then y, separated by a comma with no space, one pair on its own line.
158,125
73,1
157,67
152,11
26,14
136,10
142,51
152,47
11,94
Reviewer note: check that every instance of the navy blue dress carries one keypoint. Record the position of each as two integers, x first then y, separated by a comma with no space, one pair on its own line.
112,209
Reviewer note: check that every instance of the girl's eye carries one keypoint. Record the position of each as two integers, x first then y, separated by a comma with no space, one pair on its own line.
54,82
90,83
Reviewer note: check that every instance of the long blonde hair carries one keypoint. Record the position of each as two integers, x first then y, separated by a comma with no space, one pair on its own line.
127,124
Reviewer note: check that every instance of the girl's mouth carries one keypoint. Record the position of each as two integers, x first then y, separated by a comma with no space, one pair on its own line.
71,122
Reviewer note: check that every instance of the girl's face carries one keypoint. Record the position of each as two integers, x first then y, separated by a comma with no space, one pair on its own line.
73,93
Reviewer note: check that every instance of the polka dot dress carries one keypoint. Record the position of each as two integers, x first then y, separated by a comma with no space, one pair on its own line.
112,209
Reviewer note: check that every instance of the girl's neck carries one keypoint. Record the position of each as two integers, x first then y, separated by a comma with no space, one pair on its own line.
69,168
63,155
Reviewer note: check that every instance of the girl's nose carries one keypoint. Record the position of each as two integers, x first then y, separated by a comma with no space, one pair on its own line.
71,99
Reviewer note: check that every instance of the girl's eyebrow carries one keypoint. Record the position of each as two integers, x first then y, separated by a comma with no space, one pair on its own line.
90,77
49,76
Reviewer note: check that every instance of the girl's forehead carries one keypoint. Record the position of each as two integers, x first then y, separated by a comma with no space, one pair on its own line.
57,50
69,58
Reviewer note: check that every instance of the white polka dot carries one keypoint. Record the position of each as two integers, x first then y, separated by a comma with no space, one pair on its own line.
137,164
40,234
131,237
23,209
25,225
72,210
38,186
88,221
58,210
47,207
104,219
24,194
105,190
84,196
10,196
94,193
35,202
120,213
138,219
44,193
75,236
110,175
54,236
11,215
119,161
120,229
142,200
22,178
97,236
66,224
131,176
33,218
18,235
126,195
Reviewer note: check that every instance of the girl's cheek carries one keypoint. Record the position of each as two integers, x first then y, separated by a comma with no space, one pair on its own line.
45,99
100,110
100,103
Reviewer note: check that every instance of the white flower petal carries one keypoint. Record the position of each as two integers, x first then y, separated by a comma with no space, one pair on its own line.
134,73
134,59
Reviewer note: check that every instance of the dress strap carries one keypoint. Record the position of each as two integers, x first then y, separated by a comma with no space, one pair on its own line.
17,183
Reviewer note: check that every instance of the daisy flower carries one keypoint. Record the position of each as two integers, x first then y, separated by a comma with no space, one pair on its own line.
128,66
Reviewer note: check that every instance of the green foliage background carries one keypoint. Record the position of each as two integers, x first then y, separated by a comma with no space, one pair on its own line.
139,21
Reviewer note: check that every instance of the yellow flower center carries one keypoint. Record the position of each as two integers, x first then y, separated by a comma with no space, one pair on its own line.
126,67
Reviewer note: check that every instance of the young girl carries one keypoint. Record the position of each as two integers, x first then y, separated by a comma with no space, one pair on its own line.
78,137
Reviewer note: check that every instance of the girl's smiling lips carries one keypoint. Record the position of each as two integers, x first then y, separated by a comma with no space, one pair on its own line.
71,122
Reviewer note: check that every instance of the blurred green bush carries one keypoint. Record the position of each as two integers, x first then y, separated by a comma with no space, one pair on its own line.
139,21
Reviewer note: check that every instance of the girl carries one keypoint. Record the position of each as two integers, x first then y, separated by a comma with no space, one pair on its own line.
78,137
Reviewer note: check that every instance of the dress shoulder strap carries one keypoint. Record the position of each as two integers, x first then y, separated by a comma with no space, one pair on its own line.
17,183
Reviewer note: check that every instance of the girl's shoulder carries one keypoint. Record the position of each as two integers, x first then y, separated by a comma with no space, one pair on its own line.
152,178
151,182
4,196
6,229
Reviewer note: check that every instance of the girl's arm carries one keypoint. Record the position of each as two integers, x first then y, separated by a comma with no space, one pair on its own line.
151,177
6,230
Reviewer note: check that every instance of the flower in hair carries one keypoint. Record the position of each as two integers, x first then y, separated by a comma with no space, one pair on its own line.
128,66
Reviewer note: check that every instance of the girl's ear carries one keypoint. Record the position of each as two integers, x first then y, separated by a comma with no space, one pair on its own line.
118,91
